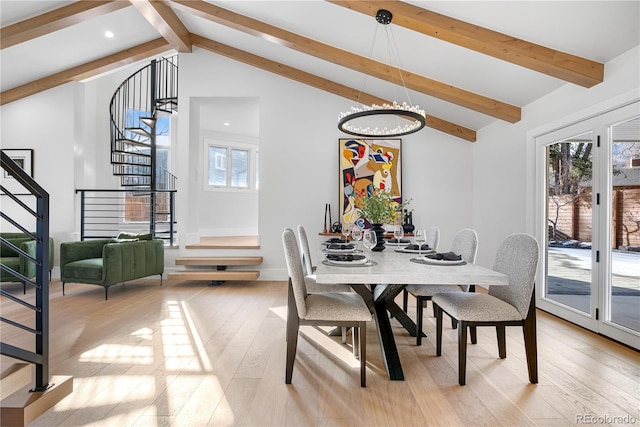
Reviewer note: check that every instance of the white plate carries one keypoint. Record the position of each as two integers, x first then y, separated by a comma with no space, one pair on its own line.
388,243
354,263
442,261
340,251
415,251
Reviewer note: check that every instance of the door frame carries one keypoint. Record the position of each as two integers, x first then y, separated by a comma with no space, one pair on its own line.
614,111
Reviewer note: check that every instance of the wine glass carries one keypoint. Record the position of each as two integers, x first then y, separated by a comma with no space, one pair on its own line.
369,240
356,234
346,230
420,237
398,233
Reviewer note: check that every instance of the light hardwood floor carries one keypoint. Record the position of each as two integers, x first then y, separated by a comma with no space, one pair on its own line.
188,354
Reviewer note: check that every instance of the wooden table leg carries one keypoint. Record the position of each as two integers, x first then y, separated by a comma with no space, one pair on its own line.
388,347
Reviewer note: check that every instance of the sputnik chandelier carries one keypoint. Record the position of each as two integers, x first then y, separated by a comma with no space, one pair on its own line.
386,120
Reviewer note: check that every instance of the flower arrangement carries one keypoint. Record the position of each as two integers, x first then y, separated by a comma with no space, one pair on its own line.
379,207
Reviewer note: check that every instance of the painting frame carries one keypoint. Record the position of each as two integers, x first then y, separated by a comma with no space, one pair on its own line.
365,164
24,158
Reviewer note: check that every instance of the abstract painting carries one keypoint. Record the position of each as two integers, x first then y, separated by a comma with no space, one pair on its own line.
366,165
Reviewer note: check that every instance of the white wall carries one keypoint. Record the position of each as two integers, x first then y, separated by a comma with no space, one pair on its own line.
299,158
503,161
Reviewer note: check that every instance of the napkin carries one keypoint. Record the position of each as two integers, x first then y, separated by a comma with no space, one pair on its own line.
401,241
346,257
425,247
446,256
336,240
340,246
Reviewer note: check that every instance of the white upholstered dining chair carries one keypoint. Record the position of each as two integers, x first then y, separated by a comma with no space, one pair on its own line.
465,244
310,270
511,305
324,309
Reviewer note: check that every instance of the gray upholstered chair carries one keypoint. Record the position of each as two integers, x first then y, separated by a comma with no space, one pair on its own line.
325,309
512,305
465,244
310,270
433,240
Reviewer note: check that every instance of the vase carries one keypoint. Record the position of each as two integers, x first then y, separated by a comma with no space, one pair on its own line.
408,226
380,231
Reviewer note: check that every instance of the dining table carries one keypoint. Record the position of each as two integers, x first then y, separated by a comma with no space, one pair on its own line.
385,274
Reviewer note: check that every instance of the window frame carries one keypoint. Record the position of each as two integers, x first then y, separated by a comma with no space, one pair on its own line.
252,161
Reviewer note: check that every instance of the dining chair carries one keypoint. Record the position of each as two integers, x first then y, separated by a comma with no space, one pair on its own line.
511,305
324,309
309,269
465,244
433,240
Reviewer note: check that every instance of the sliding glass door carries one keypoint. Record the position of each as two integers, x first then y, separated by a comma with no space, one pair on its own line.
590,208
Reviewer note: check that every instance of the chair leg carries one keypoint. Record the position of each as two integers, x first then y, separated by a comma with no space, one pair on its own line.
293,324
419,314
355,341
530,341
362,349
405,300
474,334
438,330
462,352
502,344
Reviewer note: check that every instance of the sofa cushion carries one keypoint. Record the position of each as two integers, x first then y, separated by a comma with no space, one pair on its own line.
128,236
6,251
83,270
14,264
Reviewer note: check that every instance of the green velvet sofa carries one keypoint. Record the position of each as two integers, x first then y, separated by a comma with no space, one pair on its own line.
107,262
11,259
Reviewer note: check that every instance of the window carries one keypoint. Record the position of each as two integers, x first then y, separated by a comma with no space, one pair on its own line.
231,165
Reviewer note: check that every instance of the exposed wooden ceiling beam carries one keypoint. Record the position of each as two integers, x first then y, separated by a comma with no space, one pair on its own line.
57,19
359,63
90,69
320,83
571,68
166,22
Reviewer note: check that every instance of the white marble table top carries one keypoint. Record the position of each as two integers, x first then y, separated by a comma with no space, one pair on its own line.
394,267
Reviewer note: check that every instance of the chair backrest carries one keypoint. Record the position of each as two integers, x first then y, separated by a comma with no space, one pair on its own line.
465,244
433,237
306,252
517,257
294,266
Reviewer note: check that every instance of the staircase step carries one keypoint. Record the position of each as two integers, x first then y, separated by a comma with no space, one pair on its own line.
139,131
22,407
16,376
223,275
222,261
226,242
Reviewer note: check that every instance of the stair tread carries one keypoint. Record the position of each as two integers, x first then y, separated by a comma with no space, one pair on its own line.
22,407
212,261
14,377
215,275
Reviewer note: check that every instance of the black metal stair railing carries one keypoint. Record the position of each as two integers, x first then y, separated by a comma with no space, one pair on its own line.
135,109
40,356
105,213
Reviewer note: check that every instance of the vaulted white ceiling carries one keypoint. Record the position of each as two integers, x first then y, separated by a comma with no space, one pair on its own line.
594,30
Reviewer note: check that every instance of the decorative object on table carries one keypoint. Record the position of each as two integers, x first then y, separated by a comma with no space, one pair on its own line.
389,119
327,217
24,159
336,227
408,226
366,166
379,207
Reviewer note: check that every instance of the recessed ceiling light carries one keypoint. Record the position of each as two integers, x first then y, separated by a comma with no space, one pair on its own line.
227,124
108,34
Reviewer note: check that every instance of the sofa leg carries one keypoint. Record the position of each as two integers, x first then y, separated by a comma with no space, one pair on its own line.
106,293
24,288
62,288
160,279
